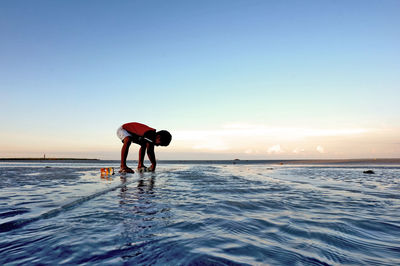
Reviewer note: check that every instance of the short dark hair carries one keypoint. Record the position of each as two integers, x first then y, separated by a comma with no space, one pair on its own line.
165,137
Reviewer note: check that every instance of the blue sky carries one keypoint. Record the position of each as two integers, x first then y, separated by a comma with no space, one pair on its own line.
227,78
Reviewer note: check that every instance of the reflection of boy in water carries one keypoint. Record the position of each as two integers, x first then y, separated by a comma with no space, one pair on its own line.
144,136
140,211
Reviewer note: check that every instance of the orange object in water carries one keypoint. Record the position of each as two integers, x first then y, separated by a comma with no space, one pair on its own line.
107,171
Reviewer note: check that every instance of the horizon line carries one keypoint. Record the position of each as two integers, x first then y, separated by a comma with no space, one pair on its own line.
349,160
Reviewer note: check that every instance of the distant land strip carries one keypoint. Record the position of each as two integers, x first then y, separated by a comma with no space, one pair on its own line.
342,161
295,161
47,159
236,161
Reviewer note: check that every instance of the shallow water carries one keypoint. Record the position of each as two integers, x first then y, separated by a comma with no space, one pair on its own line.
187,214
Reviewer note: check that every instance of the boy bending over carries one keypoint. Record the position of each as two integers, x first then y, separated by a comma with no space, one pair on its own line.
144,136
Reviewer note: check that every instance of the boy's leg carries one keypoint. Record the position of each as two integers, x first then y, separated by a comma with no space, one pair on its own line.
124,154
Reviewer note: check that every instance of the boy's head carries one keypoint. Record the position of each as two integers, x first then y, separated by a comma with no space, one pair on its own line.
163,138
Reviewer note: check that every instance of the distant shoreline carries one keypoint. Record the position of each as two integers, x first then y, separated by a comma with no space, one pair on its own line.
231,161
47,159
295,161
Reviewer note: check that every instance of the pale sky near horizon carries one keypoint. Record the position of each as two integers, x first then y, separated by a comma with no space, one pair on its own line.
230,79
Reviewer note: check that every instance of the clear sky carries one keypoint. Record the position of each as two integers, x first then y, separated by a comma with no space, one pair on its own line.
228,78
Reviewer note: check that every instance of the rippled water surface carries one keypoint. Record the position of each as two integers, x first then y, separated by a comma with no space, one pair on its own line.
185,214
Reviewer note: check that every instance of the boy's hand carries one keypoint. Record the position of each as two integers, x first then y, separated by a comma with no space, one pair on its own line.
142,169
152,168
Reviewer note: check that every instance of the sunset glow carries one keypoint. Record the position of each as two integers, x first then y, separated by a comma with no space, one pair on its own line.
228,79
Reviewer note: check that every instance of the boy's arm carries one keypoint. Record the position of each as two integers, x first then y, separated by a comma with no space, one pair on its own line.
152,156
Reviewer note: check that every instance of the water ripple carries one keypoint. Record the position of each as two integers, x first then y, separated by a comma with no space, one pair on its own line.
201,215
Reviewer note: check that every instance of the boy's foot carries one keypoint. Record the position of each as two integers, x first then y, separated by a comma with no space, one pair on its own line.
126,170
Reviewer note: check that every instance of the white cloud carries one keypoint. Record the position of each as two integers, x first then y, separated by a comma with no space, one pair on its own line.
247,138
320,149
248,130
275,149
298,150
212,145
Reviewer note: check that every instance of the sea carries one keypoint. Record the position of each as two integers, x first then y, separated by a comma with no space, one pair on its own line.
200,213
